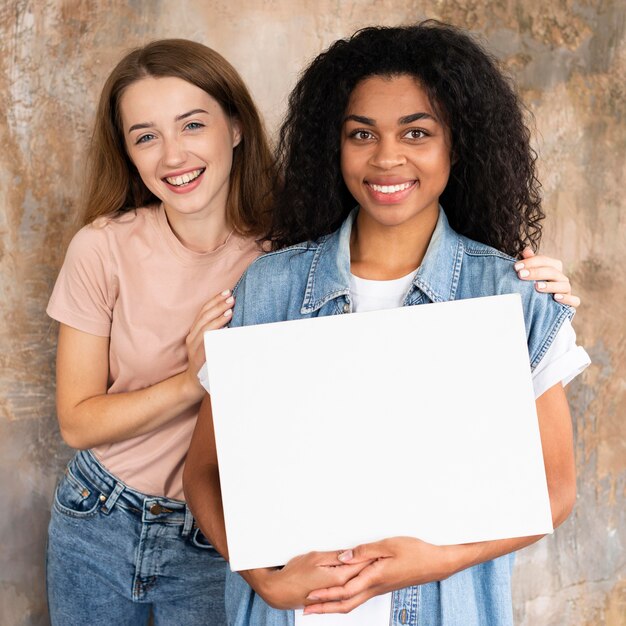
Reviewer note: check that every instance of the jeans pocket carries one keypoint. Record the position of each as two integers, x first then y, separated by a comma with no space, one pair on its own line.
198,540
75,495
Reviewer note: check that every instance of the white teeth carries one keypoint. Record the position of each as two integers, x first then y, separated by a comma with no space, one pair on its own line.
390,188
177,181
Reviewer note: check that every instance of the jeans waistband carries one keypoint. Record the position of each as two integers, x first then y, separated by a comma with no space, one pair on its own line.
113,491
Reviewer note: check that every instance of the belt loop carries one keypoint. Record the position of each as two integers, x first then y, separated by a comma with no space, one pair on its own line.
109,502
188,525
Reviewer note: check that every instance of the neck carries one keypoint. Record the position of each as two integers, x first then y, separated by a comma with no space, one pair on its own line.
380,252
200,233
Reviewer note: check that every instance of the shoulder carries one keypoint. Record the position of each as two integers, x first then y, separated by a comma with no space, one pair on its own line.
107,226
274,267
486,271
273,285
126,222
245,246
91,242
107,231
481,254
491,272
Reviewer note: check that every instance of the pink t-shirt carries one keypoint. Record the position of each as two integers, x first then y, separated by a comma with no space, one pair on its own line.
129,278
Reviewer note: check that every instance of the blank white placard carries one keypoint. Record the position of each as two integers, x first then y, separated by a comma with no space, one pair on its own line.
418,421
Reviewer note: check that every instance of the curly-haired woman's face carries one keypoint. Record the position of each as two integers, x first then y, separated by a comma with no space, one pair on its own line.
395,152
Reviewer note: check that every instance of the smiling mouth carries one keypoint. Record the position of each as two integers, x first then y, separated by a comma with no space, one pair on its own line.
184,179
392,188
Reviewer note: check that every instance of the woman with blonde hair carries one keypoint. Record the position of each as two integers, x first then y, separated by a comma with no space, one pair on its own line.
177,193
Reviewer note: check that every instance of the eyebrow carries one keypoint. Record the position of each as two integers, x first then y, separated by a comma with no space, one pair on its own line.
416,116
182,116
407,119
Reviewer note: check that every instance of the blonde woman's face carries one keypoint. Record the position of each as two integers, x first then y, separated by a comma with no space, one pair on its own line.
181,143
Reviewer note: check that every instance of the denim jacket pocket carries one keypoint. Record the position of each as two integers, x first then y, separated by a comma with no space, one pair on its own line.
75,496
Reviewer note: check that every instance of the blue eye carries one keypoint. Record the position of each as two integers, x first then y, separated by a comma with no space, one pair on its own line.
144,138
194,125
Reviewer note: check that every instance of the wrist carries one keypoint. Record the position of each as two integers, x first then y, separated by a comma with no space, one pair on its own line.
261,581
459,557
191,389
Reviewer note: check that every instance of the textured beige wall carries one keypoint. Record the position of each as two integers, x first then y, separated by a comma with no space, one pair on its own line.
569,58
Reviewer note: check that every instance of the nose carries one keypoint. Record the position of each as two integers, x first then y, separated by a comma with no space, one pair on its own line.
173,151
387,154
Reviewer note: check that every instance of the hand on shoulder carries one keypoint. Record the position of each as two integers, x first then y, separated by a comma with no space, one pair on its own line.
548,276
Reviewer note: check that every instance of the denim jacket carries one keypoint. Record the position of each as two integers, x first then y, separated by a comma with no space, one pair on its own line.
312,279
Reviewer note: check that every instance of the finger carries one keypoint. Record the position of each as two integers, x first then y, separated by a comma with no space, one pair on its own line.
528,253
337,576
213,304
365,552
218,318
568,299
539,261
214,308
195,339
340,575
323,559
213,317
542,273
343,606
554,287
368,579
216,299
328,558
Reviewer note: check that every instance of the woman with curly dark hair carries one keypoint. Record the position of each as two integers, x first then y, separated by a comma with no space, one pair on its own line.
492,193
417,128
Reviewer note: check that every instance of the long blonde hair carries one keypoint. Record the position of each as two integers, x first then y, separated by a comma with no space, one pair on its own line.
113,184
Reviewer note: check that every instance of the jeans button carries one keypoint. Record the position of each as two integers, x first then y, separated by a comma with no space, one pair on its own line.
156,509
346,308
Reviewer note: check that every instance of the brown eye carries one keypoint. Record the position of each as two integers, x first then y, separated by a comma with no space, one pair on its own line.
361,135
415,133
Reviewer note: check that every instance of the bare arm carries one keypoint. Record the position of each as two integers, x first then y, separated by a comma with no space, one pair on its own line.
89,416
282,588
404,561
201,480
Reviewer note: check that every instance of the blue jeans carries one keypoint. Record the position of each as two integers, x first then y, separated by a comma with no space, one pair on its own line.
116,555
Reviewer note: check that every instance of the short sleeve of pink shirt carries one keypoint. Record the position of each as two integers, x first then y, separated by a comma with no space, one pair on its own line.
84,293
130,279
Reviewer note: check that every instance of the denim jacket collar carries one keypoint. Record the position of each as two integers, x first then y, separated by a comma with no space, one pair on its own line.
329,276
437,277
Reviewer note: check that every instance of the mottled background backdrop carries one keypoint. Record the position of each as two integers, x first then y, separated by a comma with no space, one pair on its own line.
569,59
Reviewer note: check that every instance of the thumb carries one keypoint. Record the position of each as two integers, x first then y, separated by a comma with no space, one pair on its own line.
527,252
365,552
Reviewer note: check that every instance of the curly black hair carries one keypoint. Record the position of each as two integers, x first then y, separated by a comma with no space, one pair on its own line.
492,195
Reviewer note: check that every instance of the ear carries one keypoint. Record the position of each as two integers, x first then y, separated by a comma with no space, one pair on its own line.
236,130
